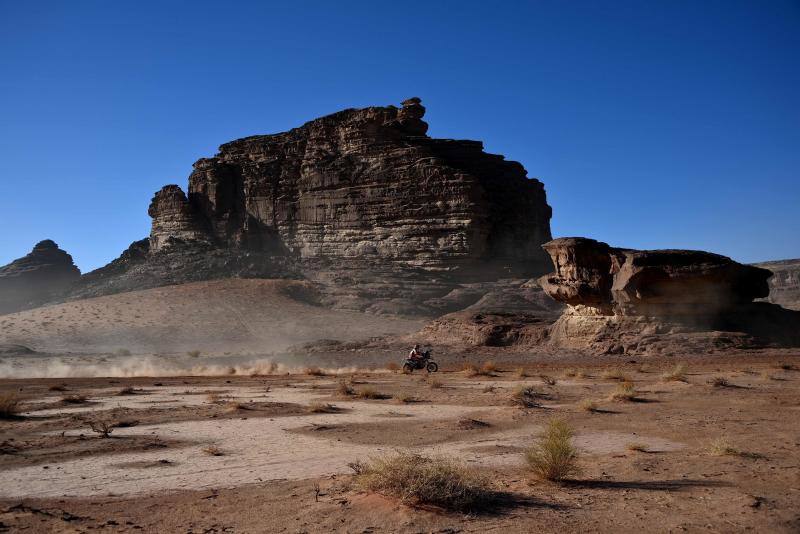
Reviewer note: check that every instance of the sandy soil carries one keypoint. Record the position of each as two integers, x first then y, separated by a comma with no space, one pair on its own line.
282,468
231,316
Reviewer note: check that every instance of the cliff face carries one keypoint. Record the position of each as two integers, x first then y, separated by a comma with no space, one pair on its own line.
784,286
624,300
29,281
366,184
382,217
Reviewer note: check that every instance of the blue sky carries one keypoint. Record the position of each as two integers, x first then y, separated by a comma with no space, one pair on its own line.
652,124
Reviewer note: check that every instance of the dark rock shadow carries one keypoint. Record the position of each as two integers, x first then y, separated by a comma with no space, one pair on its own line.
649,485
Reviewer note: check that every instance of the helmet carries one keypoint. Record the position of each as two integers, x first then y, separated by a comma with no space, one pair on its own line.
416,345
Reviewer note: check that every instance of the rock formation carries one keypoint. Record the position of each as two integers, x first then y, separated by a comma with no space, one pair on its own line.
29,281
784,286
623,300
363,202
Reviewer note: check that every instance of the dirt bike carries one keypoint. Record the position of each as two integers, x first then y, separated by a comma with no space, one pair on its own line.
424,362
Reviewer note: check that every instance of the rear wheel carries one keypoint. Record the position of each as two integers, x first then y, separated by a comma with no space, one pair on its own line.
432,367
408,368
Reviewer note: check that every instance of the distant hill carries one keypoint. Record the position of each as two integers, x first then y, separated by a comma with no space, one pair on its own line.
784,286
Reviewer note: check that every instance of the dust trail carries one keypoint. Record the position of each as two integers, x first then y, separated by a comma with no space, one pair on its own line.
138,366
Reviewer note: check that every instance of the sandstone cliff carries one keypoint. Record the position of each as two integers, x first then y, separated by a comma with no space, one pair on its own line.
384,218
634,301
46,272
784,286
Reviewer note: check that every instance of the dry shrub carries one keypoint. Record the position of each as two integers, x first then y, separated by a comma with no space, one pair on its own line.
588,405
766,375
9,405
547,380
418,479
623,392
214,398
435,383
569,373
193,353
213,450
235,406
392,366
122,352
719,382
345,389
405,399
525,396
370,393
520,372
677,374
104,428
321,407
57,387
723,447
470,370
314,371
127,390
488,368
553,457
74,399
488,388
637,447
615,374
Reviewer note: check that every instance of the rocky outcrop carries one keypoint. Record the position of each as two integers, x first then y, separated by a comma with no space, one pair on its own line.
633,301
784,286
47,271
382,217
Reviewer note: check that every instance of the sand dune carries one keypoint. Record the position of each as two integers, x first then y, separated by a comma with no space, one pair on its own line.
235,315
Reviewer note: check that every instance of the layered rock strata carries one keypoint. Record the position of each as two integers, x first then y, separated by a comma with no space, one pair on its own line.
784,286
632,301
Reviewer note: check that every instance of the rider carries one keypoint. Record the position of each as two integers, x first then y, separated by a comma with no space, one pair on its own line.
415,354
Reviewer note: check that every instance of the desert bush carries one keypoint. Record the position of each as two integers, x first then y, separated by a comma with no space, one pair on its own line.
470,370
9,404
677,374
588,405
57,387
213,450
214,398
435,383
74,399
392,366
766,375
193,353
615,374
525,396
370,393
552,456
723,447
488,388
547,380
235,406
719,382
520,372
104,428
314,371
488,367
569,373
623,392
127,390
405,399
637,447
418,479
345,389
321,407
122,352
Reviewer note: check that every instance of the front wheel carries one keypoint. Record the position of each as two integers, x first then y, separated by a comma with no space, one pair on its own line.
432,367
408,368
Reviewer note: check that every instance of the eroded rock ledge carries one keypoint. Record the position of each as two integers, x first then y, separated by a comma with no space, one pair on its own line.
633,301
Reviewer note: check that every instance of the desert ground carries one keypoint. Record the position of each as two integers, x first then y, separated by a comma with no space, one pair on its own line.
703,444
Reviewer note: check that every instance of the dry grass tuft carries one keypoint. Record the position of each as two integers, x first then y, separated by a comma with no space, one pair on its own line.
588,405
213,450
74,399
637,447
677,374
569,373
435,383
723,447
214,398
344,389
127,390
406,399
615,374
9,405
766,375
193,353
321,407
553,457
525,396
418,479
104,428
488,368
520,372
623,392
488,388
547,380
235,406
313,371
122,352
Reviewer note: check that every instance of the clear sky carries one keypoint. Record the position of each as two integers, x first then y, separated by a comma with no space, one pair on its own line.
652,124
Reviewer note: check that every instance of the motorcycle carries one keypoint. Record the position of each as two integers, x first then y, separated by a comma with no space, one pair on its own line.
424,362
